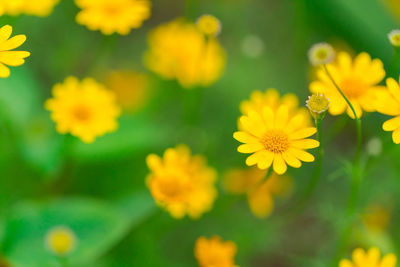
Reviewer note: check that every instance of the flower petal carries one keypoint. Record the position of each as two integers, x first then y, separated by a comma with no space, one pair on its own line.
291,160
250,147
301,154
392,124
305,143
303,133
279,164
265,160
244,137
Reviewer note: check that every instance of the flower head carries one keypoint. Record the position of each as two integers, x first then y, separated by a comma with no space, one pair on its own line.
215,252
131,89
84,109
318,105
372,258
60,240
321,54
113,16
209,25
179,50
8,57
389,103
275,138
181,183
40,8
358,79
394,38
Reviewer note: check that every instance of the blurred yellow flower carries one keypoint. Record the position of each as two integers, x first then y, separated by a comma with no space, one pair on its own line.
209,25
179,50
84,109
40,8
376,218
7,57
372,258
60,240
113,16
358,79
318,105
181,183
131,88
389,103
260,194
320,54
214,252
275,138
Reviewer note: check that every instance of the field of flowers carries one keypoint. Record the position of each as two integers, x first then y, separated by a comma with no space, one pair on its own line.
213,133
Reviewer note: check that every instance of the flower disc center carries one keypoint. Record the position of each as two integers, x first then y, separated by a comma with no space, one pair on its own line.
275,141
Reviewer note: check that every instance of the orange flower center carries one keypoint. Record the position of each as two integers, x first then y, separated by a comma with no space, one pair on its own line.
111,10
82,113
172,188
352,88
276,141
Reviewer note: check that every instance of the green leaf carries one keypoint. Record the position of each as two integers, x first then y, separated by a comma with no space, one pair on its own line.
97,225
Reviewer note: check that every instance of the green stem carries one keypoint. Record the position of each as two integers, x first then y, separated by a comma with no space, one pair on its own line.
355,179
394,67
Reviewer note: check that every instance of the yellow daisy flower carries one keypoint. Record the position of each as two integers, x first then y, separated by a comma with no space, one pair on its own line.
40,8
113,16
372,258
7,57
181,183
214,252
84,109
131,88
358,79
389,103
179,50
209,25
60,240
275,138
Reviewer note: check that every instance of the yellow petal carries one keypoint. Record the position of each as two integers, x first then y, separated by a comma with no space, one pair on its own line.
244,137
374,255
251,127
345,263
359,256
357,109
282,116
265,160
4,71
268,116
153,161
291,160
301,154
250,147
13,58
279,164
305,143
393,88
389,260
13,42
344,63
303,133
392,124
396,136
5,33
295,123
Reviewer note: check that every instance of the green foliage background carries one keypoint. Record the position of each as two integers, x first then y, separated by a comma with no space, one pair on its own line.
98,189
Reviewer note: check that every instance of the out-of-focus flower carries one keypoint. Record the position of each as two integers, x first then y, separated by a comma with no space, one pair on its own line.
113,16
214,252
394,37
358,79
252,46
60,240
318,105
179,50
7,57
40,8
181,183
389,103
321,54
372,258
376,218
242,181
131,89
374,146
84,109
273,137
209,25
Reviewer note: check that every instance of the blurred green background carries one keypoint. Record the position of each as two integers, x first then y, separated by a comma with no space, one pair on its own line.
99,190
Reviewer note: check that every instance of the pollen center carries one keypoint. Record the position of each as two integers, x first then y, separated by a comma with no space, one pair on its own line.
172,188
81,113
276,141
318,103
321,54
352,88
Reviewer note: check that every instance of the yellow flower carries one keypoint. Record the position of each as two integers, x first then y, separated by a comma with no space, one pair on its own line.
377,218
318,105
60,240
7,57
131,89
372,258
84,109
275,138
181,183
357,79
178,50
113,16
209,25
214,252
389,103
40,8
320,54
394,38
241,181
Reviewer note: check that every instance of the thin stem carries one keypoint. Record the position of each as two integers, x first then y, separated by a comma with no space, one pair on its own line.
355,179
